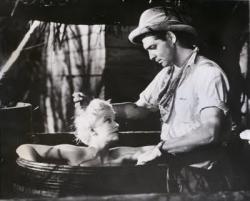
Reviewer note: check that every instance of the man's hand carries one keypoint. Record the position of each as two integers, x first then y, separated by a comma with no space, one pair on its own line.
245,135
148,156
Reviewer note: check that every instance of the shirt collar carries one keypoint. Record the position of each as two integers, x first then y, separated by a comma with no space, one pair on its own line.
193,56
190,61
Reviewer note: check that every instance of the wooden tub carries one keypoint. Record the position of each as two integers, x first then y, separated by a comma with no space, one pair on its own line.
15,128
56,180
53,180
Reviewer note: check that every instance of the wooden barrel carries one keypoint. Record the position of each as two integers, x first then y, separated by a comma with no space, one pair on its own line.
51,180
15,126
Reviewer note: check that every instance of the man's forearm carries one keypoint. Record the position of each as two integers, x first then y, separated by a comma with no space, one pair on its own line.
200,136
210,131
130,110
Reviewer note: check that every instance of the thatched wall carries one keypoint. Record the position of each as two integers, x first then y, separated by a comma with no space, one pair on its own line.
74,64
96,60
128,71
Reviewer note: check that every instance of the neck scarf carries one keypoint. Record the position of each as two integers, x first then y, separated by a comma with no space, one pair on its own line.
167,95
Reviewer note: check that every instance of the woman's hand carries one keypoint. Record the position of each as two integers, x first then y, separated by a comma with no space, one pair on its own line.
245,135
78,98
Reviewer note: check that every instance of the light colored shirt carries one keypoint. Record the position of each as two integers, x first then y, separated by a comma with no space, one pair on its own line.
204,85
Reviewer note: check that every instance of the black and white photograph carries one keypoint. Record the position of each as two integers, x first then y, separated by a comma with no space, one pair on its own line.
124,100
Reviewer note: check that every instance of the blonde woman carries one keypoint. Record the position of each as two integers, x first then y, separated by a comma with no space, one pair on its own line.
96,127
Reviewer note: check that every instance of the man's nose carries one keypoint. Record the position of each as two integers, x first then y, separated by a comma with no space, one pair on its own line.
151,56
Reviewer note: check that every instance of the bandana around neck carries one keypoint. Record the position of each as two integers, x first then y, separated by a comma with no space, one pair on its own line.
167,95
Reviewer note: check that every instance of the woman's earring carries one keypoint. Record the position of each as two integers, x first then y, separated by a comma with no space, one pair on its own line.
93,131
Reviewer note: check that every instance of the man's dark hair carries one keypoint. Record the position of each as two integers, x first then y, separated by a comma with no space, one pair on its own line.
185,39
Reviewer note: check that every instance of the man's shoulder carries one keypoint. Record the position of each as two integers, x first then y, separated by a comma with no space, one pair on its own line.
206,67
206,70
204,62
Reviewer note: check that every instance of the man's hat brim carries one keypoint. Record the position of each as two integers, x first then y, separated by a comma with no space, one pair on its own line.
137,34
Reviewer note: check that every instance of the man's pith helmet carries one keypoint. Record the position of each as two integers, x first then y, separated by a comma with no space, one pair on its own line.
158,19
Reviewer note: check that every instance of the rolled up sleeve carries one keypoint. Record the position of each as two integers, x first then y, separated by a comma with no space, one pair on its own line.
213,90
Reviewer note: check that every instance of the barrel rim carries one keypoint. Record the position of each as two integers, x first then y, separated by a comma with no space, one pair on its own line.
17,106
42,165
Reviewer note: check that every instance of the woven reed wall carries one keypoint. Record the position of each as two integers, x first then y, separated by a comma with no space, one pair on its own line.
128,69
74,64
97,60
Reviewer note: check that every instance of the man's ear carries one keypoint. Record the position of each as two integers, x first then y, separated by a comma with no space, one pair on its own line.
170,36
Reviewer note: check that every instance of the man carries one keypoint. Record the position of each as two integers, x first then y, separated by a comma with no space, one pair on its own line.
190,92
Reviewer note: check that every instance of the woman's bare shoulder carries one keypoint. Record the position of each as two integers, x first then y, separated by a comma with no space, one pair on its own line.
70,147
76,155
73,150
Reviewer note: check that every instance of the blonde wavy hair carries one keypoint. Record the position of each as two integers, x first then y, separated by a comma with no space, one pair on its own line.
85,121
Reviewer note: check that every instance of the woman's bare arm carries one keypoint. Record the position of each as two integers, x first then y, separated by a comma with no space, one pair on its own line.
28,152
70,154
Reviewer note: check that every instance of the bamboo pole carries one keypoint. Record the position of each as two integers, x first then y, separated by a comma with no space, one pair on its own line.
15,54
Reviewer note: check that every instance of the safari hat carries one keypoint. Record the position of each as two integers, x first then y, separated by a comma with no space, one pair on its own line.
158,19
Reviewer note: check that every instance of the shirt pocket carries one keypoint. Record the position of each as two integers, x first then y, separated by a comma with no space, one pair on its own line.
183,109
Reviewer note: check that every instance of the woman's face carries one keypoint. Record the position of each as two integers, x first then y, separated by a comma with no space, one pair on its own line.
106,128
